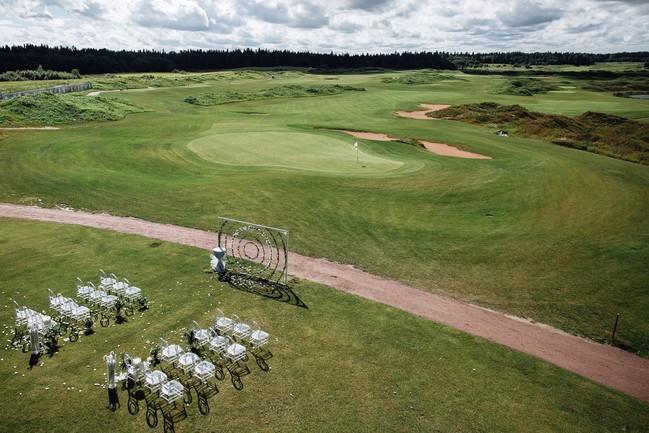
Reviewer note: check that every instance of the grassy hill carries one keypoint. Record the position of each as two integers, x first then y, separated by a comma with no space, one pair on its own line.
51,109
596,132
525,87
288,91
419,78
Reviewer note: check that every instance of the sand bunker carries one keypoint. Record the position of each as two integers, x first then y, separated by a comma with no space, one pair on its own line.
376,136
421,114
446,150
436,148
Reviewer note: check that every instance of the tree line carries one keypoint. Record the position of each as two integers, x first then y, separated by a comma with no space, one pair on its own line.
550,58
39,74
98,61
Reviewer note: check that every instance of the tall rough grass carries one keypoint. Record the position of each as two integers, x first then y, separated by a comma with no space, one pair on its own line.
51,109
601,133
288,91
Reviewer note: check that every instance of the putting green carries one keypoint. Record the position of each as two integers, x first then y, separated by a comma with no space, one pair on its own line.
293,150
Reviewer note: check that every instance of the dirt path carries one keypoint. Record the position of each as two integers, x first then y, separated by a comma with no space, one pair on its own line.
143,89
421,114
99,92
607,365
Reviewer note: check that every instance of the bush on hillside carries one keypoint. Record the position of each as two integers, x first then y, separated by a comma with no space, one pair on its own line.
419,78
288,91
620,86
39,74
602,133
51,109
525,87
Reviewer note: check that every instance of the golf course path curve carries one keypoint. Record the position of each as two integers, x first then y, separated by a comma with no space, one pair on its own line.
604,364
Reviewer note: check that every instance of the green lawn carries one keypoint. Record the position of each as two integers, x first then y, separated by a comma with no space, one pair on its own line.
344,364
541,231
292,150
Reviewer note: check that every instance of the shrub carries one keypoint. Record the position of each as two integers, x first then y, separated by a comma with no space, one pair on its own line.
51,109
602,133
288,91
525,87
39,74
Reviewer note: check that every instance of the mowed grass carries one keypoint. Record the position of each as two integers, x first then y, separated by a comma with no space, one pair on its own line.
343,364
541,231
291,150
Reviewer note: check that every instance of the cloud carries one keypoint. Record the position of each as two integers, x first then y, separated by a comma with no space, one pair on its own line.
335,25
526,13
178,14
631,2
304,15
346,26
88,8
369,5
277,13
44,14
584,28
92,9
184,15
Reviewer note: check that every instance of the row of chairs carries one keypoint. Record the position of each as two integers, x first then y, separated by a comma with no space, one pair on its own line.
252,337
130,296
111,297
103,305
193,372
169,389
34,330
228,342
72,317
95,304
156,389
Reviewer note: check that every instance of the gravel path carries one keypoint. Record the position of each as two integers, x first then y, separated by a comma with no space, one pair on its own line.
607,365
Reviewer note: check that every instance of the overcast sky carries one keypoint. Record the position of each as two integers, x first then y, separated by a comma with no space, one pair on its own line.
332,25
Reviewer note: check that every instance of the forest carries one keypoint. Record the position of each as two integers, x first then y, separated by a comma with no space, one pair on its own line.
98,61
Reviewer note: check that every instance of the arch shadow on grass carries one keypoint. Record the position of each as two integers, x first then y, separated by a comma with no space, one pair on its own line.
267,289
